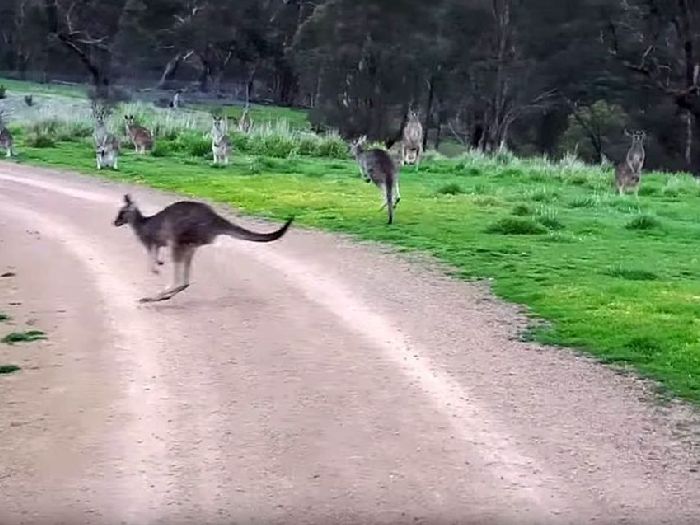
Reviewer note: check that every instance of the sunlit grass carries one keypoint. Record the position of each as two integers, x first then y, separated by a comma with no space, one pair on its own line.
616,276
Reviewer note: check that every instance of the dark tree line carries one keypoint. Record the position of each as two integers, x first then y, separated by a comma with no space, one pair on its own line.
535,76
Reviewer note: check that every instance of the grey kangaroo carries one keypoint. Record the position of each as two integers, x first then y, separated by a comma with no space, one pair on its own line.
6,141
376,166
412,143
182,226
628,173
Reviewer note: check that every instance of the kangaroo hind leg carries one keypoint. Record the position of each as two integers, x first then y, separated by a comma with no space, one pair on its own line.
182,259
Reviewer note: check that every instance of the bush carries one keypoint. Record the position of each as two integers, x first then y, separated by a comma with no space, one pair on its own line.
631,274
40,140
551,222
515,226
451,188
521,211
197,146
643,222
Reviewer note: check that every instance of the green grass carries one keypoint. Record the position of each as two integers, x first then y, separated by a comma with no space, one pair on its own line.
295,118
23,337
615,276
26,87
9,369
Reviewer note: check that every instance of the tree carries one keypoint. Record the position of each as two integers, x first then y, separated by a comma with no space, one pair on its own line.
88,29
589,126
660,45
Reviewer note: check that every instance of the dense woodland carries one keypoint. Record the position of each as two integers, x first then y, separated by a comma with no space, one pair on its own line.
534,76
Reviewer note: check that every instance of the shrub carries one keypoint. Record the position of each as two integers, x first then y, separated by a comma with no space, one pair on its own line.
40,140
643,222
631,274
521,211
451,188
516,226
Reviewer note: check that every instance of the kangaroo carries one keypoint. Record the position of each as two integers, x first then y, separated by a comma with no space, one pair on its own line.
376,166
245,123
412,143
6,141
628,173
29,100
140,136
106,143
176,102
182,226
220,143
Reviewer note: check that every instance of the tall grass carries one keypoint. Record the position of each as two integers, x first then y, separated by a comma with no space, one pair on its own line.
181,130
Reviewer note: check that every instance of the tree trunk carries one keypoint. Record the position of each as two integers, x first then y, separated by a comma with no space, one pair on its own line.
428,111
399,134
170,70
695,165
688,153
438,127
205,76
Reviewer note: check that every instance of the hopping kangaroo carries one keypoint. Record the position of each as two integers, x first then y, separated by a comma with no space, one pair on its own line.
376,166
628,174
220,143
6,141
106,143
182,226
412,143
140,136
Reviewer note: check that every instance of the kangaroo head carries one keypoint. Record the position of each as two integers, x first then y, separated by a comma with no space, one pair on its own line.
129,120
218,125
637,136
357,145
412,115
127,213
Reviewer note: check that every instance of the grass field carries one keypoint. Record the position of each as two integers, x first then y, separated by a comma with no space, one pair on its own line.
24,87
616,277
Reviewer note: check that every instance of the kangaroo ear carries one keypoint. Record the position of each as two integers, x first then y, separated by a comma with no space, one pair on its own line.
127,199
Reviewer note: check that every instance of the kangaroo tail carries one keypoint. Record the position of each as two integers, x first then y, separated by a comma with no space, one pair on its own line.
241,233
390,200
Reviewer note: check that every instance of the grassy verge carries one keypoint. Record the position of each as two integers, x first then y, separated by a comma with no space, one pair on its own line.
26,87
295,118
613,276
23,337
616,277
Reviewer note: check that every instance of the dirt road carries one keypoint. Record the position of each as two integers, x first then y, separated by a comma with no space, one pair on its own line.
310,380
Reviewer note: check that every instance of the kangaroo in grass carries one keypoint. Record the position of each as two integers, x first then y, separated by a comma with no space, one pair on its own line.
628,173
412,142
140,136
245,123
106,143
220,143
6,141
376,166
182,226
